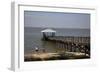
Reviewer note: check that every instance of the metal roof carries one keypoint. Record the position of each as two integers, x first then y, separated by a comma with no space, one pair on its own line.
48,30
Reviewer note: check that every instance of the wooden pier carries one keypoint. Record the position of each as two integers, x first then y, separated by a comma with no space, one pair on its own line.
66,39
71,44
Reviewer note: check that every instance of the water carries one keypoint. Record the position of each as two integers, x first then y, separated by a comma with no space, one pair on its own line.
33,36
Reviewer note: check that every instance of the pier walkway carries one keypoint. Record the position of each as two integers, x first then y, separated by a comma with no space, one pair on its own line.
72,44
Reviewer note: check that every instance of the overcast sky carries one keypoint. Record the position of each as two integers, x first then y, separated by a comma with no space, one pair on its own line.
56,20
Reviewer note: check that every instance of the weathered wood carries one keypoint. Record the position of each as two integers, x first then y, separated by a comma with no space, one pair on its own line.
72,44
70,39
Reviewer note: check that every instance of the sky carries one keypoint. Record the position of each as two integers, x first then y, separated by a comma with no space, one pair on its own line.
56,19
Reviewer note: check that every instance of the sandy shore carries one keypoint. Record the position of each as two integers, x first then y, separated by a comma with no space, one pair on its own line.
41,55
54,56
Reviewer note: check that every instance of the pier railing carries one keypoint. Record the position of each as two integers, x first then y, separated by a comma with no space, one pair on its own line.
72,44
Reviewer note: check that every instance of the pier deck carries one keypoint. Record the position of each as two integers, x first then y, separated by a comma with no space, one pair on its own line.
72,44
70,39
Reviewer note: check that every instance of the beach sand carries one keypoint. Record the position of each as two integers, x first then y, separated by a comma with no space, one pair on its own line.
54,56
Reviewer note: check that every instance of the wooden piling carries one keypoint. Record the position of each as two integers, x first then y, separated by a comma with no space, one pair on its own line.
71,43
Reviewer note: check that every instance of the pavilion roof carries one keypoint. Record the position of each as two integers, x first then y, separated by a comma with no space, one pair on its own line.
48,30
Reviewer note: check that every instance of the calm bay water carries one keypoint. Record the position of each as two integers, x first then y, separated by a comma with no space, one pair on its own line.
33,36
